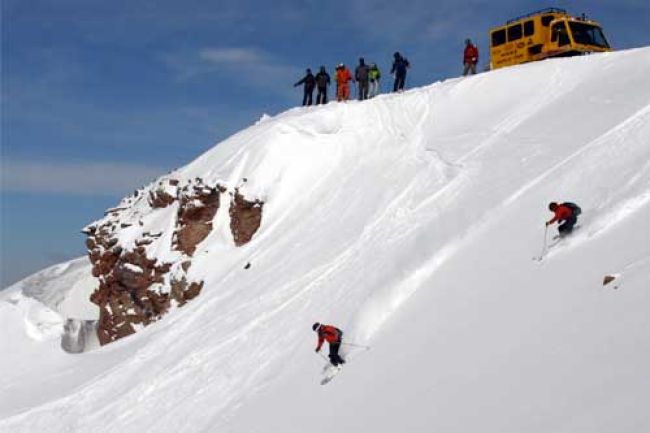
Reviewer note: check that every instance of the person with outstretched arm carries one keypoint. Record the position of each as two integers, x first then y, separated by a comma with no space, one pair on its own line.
333,336
566,214
310,82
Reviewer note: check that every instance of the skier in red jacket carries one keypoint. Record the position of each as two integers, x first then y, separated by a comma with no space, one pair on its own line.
333,336
470,57
566,214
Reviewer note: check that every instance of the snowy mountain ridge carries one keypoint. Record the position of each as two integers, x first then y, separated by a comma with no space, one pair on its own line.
409,221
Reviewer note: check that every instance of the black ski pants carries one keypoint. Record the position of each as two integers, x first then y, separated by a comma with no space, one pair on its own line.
567,225
363,87
400,79
307,98
335,358
321,97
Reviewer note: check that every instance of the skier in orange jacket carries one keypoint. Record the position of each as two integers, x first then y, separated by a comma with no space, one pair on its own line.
333,336
343,78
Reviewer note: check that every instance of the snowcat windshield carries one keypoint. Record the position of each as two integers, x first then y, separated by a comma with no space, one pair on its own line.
588,34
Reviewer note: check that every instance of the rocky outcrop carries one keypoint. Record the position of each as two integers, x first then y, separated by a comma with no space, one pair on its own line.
245,218
129,292
160,199
135,288
197,207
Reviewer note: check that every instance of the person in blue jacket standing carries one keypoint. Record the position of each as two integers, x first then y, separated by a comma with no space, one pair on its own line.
400,65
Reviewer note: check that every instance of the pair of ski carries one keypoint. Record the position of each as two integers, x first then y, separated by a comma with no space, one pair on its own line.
330,371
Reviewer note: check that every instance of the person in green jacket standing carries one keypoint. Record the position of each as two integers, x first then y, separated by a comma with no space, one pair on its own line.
374,75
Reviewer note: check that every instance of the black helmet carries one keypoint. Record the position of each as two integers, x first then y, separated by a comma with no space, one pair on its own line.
552,206
315,326
396,55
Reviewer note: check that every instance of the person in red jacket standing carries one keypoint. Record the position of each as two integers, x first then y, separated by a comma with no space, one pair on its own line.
566,214
333,336
470,57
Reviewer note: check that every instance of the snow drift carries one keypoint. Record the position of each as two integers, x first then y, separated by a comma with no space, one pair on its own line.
410,222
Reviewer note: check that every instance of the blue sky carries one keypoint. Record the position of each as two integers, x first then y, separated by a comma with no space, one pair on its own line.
100,97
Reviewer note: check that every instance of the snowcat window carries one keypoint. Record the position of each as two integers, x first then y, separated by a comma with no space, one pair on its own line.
499,37
529,28
546,20
514,32
588,34
560,34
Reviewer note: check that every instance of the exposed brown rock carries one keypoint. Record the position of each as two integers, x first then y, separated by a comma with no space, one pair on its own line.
141,242
183,292
125,295
245,218
160,199
608,279
190,235
197,208
114,211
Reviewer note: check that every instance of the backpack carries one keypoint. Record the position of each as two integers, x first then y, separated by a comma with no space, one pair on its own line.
574,208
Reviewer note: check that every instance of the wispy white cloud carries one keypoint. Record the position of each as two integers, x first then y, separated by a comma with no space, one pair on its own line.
253,67
230,56
76,178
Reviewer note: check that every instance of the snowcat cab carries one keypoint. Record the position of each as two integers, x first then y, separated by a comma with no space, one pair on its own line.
542,34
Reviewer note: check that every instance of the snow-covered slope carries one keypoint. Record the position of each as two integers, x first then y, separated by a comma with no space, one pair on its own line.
410,221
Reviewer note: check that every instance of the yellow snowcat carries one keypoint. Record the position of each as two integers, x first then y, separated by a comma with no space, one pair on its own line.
542,34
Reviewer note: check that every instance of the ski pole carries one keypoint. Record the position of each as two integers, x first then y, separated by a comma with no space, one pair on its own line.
356,345
544,244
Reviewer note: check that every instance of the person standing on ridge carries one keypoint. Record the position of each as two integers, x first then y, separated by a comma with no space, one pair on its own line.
374,75
333,336
470,57
343,78
566,214
310,82
322,81
361,74
400,65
